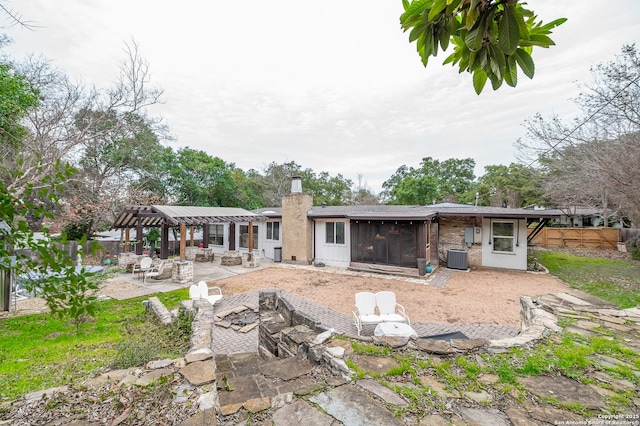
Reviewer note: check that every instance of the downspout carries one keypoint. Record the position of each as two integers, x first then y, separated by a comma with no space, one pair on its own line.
313,246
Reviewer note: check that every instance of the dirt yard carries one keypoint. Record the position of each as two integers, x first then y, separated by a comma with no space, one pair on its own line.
479,296
486,296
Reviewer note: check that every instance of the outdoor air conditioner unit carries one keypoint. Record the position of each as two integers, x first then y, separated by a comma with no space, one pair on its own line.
457,259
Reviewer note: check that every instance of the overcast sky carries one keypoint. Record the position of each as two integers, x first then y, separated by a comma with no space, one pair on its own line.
334,85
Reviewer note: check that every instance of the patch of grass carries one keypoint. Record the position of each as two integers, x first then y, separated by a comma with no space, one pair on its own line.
617,281
41,351
360,348
359,371
454,374
400,370
574,407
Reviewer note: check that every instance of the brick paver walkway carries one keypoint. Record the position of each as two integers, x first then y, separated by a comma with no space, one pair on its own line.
226,340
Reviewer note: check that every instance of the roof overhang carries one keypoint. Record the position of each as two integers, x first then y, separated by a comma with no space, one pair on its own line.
157,216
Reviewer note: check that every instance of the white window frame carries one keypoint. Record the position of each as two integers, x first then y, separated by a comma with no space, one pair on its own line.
215,234
273,231
332,236
495,237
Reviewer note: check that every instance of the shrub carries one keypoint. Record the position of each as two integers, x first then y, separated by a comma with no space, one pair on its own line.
134,353
634,246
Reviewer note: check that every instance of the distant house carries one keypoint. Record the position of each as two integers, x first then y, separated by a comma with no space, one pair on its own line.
584,217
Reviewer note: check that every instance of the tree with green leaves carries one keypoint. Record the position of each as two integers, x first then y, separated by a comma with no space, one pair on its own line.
276,182
197,179
40,264
432,182
515,186
491,38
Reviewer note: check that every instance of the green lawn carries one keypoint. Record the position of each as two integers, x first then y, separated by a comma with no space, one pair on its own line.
41,351
617,281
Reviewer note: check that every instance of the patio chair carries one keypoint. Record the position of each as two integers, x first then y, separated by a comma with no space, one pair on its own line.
153,271
389,310
194,292
141,267
366,310
204,292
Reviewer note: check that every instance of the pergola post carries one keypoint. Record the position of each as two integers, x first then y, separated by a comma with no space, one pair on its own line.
205,235
191,231
250,237
127,238
139,230
164,242
183,241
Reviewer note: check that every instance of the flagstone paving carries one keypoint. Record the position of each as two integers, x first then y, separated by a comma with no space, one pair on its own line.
370,402
222,385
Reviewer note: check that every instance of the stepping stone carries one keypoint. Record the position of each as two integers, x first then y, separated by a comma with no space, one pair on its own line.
519,417
615,320
382,392
256,405
438,420
587,325
564,390
353,407
200,372
438,387
374,364
434,346
287,369
243,389
551,415
572,299
481,417
479,397
300,413
202,418
618,327
619,384
153,375
580,331
488,379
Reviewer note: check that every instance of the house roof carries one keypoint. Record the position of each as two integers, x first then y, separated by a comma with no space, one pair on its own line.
155,216
495,212
396,212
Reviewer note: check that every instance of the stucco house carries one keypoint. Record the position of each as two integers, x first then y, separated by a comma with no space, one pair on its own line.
373,238
396,238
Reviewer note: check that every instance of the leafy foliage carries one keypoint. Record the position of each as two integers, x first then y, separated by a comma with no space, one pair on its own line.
276,182
201,180
47,268
491,39
432,182
16,96
515,186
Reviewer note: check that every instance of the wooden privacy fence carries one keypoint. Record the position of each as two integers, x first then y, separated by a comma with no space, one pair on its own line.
595,238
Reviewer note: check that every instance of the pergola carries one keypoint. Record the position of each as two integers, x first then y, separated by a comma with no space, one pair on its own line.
165,217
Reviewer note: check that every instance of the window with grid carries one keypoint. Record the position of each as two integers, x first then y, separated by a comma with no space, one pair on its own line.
335,233
503,236
273,231
216,235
